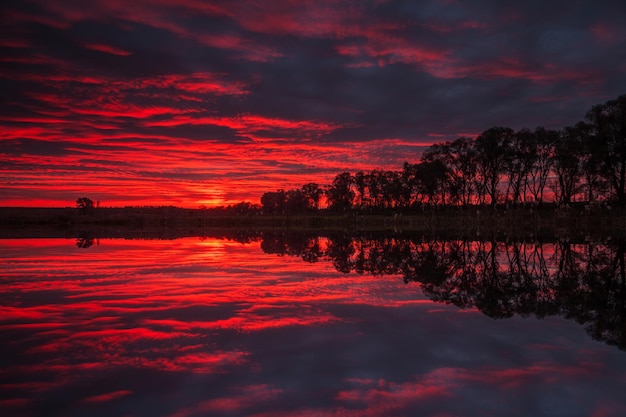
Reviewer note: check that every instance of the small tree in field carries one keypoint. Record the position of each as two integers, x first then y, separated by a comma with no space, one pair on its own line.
84,204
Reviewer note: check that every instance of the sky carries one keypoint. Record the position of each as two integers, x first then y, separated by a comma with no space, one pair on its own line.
203,103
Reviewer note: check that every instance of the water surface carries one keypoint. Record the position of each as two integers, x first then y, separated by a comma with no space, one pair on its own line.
204,326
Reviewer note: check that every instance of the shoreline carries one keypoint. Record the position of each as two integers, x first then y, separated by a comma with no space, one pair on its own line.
580,223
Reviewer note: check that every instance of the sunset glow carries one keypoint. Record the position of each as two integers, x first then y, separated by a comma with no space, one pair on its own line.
193,103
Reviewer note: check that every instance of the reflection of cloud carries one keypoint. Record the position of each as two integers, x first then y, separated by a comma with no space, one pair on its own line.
386,397
215,327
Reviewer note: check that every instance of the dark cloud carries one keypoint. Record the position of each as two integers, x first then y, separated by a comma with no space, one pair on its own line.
24,146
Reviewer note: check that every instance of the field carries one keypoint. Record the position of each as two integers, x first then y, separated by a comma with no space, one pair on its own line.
580,223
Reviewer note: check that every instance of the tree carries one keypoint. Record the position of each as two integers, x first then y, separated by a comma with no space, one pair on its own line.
492,158
392,188
461,162
608,123
434,172
409,183
360,182
591,163
566,164
340,195
432,177
84,204
296,202
522,152
545,141
312,192
245,208
274,201
375,186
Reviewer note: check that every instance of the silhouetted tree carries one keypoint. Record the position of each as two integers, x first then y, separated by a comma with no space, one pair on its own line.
581,161
392,189
340,195
408,179
84,204
245,208
545,140
608,122
360,182
591,168
566,163
521,157
375,188
434,173
312,192
296,202
274,202
461,161
432,176
492,158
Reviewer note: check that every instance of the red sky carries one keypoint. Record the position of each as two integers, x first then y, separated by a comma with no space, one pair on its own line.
193,102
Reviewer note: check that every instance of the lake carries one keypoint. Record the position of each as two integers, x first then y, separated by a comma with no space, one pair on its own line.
296,325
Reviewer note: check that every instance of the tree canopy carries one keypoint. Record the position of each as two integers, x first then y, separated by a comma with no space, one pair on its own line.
585,162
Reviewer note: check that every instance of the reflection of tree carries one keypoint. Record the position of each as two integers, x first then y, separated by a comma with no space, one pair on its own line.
605,298
295,244
339,251
84,240
582,282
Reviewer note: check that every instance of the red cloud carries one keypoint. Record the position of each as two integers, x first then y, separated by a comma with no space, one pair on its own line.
109,396
512,68
208,163
107,49
607,33
244,397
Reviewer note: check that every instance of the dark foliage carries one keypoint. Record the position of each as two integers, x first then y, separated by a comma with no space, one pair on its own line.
585,163
585,282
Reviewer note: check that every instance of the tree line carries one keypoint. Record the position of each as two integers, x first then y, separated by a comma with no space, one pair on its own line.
581,163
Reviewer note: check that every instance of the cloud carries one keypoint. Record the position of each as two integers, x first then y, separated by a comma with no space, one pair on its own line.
109,396
341,76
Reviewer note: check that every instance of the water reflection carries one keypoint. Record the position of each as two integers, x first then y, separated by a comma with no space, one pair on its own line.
214,326
580,281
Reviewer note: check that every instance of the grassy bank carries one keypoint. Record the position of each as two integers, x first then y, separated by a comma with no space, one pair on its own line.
595,222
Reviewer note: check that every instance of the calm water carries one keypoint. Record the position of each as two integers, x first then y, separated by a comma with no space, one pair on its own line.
310,327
